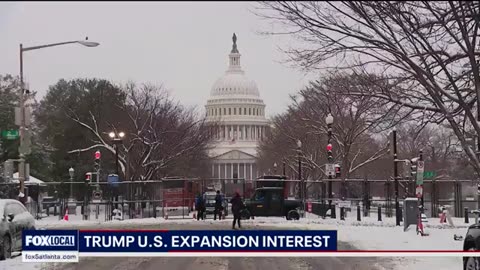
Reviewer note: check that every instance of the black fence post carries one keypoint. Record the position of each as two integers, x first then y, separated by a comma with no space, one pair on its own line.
154,209
400,215
359,216
466,215
379,213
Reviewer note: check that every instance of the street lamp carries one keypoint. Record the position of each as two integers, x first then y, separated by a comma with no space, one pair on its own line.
71,204
117,138
329,119
275,168
71,172
24,148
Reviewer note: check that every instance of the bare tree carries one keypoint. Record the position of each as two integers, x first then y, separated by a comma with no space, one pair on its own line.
160,134
355,118
424,54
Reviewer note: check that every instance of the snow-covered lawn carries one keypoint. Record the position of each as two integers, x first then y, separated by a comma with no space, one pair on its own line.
386,237
16,263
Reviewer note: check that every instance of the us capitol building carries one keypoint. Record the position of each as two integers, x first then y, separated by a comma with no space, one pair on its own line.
238,111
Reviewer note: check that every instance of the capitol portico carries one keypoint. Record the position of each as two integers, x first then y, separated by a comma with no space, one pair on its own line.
237,115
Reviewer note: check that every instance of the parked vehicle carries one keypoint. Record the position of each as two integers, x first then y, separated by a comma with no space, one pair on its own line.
210,203
14,218
270,202
472,243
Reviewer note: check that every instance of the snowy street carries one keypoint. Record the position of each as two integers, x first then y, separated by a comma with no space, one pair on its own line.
207,263
364,235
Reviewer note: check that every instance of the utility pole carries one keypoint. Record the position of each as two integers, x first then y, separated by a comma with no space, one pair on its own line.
420,171
21,150
395,178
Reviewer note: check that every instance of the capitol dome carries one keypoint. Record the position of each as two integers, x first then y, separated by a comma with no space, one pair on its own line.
234,84
237,115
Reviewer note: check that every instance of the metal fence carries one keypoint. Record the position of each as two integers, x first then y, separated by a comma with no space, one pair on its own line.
458,194
174,198
170,198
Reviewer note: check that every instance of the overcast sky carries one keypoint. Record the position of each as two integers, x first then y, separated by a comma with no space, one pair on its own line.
183,46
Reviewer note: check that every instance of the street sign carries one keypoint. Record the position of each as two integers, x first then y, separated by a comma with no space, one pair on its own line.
10,134
113,180
19,116
420,171
419,191
330,169
429,174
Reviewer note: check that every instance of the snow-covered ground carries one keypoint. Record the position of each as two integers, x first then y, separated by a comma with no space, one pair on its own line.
368,234
16,263
387,236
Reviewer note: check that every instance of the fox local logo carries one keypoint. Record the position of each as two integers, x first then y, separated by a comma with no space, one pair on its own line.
50,240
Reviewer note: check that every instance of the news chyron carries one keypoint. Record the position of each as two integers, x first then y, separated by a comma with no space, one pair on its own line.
69,245
50,246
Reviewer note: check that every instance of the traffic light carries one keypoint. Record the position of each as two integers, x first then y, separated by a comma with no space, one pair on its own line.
98,155
338,171
413,167
88,177
329,152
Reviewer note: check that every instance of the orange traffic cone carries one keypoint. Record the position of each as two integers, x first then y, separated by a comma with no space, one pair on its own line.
65,217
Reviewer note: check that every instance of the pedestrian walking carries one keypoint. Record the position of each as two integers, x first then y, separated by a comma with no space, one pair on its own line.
237,207
200,206
218,206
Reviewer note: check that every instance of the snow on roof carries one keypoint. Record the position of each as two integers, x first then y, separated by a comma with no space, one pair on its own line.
31,180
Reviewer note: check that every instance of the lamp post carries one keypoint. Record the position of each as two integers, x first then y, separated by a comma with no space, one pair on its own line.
71,204
117,138
329,121
24,148
301,189
71,172
275,168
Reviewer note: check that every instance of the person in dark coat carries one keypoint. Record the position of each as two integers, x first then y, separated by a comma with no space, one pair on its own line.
218,206
200,205
237,207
